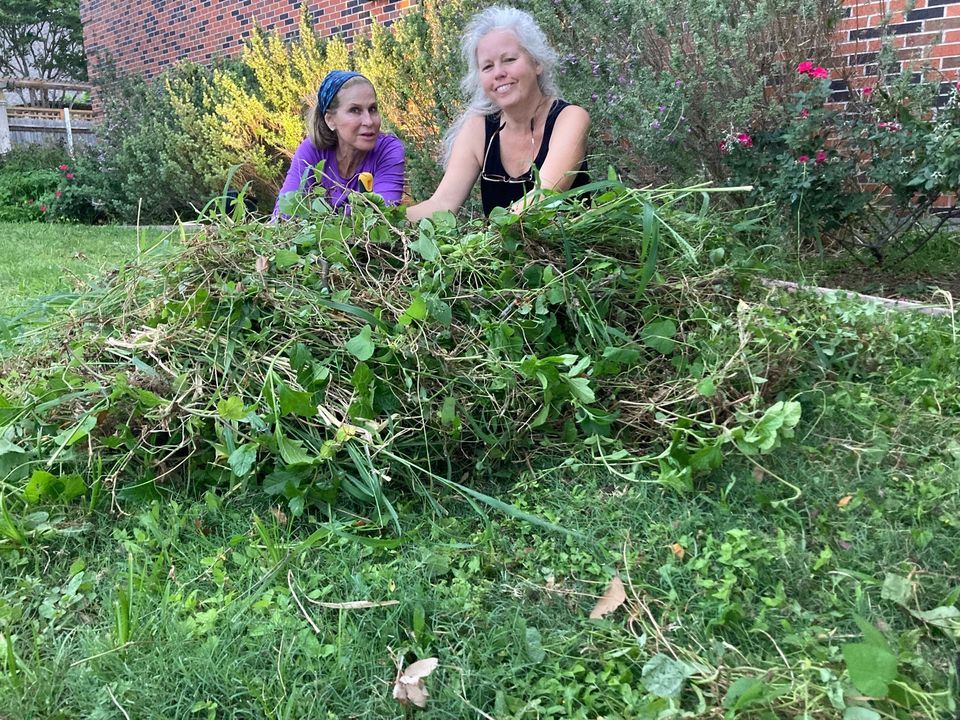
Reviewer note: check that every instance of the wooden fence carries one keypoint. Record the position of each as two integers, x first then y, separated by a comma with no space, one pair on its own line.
24,125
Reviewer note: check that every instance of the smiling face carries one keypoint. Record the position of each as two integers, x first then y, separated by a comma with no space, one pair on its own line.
356,117
507,72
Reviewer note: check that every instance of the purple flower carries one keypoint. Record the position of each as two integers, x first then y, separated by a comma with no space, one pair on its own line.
655,124
662,108
677,83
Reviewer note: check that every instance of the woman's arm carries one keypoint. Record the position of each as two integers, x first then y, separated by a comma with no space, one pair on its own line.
388,167
462,172
300,175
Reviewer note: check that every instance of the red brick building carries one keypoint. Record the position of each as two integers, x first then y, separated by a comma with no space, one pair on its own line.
147,36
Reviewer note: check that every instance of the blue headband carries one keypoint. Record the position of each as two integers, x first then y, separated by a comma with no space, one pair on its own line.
331,85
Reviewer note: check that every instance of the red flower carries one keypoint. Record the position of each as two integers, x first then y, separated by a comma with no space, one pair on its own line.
69,176
62,168
805,67
867,91
723,146
804,113
745,140
803,159
821,157
819,73
43,208
57,193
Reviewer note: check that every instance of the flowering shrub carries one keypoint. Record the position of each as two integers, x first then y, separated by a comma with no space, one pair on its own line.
796,164
75,198
27,179
889,150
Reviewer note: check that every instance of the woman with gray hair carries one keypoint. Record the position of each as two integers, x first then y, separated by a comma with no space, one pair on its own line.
514,124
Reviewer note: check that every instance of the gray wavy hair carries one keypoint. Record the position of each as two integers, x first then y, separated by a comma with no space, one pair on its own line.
532,40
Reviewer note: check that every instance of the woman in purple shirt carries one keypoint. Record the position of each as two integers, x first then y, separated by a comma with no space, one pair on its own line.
343,133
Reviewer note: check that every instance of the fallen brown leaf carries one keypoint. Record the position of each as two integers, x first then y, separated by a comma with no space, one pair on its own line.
409,687
261,264
613,597
758,473
844,501
678,551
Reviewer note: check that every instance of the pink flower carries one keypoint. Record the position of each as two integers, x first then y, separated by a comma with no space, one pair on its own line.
43,208
803,159
805,67
867,91
819,73
723,146
804,113
57,193
69,176
62,168
745,140
821,157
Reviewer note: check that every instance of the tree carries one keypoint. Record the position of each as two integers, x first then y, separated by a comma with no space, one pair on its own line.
42,39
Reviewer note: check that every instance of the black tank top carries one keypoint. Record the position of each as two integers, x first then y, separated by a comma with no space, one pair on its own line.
495,190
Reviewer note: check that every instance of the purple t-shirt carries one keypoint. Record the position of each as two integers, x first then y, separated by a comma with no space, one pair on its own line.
384,162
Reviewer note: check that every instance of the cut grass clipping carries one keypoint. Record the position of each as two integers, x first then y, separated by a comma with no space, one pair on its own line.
336,357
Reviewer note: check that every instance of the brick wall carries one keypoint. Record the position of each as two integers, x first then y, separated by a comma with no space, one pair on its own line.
925,33
147,36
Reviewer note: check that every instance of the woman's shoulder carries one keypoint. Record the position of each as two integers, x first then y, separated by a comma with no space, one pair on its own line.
309,152
388,143
565,113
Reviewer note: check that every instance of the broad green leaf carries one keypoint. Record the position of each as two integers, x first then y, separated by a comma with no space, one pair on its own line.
706,387
580,389
296,402
706,458
534,645
622,355
242,459
439,310
73,486
417,309
858,712
426,246
744,692
361,346
871,635
286,258
281,482
896,588
663,676
7,447
871,669
945,617
149,399
38,486
232,409
659,335
292,451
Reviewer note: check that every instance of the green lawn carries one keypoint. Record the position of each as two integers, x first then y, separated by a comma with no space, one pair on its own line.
743,599
40,258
